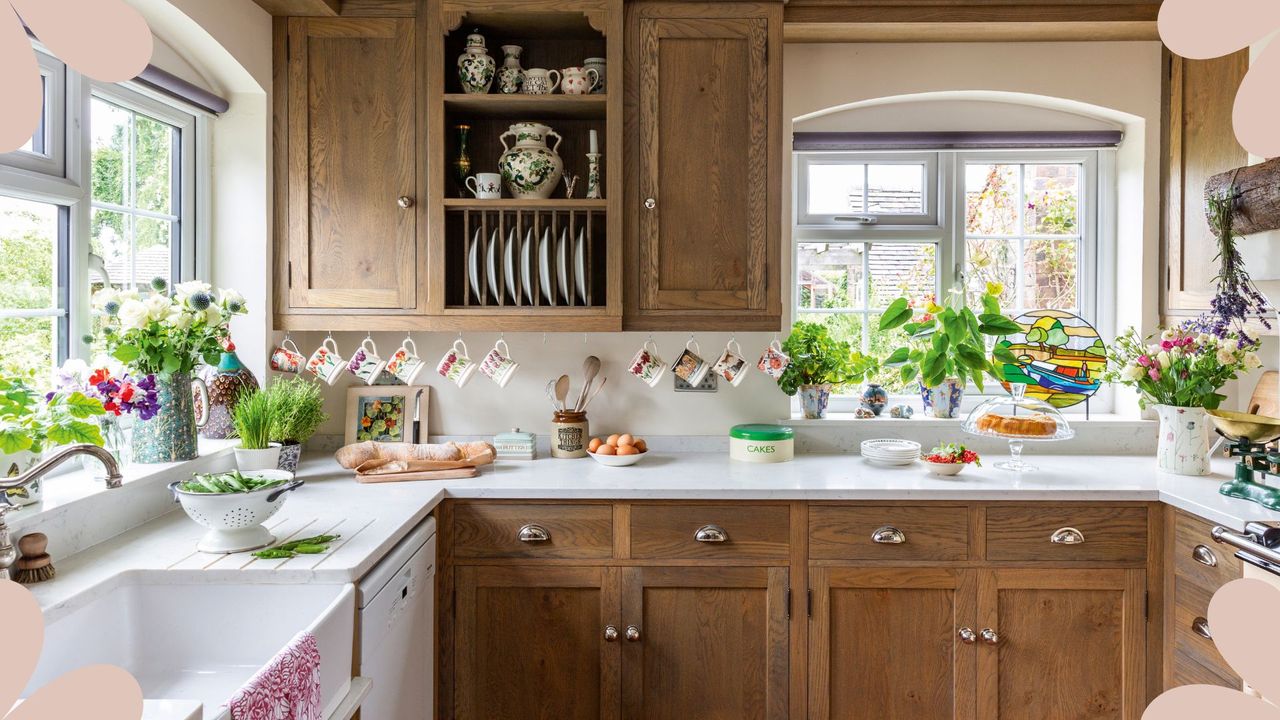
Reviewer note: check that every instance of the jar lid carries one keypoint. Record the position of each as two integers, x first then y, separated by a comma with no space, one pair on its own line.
762,431
514,436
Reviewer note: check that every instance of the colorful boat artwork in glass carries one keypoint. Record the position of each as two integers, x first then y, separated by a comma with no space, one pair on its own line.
1060,357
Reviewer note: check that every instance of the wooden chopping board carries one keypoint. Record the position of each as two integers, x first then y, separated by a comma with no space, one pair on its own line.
449,474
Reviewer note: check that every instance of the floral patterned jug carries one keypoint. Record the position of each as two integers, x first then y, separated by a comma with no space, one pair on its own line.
475,66
530,168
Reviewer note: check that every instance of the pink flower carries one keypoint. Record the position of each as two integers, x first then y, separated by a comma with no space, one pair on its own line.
1166,345
1202,29
1154,374
1144,361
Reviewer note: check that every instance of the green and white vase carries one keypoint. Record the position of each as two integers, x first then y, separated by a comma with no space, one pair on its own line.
170,436
476,67
530,168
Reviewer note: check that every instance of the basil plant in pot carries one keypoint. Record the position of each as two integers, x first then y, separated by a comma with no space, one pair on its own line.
946,346
819,364
298,411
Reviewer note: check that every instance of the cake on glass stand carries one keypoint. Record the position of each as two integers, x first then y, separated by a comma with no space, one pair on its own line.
1018,419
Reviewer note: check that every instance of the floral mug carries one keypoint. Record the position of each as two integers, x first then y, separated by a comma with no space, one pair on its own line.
405,363
286,358
578,81
325,362
455,366
498,365
366,364
647,366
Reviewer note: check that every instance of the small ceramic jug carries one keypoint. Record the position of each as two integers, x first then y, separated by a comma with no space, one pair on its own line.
578,81
598,64
511,76
475,66
537,81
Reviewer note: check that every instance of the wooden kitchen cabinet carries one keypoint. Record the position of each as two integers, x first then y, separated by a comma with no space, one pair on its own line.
1200,142
530,643
1058,643
709,642
347,171
703,139
887,643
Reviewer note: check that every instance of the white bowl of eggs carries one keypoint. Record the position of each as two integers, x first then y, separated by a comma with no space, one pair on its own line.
617,450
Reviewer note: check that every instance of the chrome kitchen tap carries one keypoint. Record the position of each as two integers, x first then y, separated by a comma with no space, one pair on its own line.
57,458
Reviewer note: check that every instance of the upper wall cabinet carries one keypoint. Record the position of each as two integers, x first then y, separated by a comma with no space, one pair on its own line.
1200,143
703,167
347,235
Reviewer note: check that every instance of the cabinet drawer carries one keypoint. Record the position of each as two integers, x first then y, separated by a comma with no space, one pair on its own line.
1190,610
493,530
1198,558
923,533
711,532
1102,534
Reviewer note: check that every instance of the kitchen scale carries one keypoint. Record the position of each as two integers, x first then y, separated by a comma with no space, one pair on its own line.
1248,440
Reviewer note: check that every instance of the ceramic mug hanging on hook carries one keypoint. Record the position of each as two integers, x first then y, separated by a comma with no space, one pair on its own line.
690,366
286,357
325,362
405,363
731,366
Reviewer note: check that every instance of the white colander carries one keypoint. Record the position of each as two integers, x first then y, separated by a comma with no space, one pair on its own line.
235,520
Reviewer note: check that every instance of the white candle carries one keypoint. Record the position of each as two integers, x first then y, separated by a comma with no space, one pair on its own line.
595,142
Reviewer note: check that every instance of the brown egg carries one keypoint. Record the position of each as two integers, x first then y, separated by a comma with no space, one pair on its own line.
606,450
595,444
627,450
613,440
639,445
626,439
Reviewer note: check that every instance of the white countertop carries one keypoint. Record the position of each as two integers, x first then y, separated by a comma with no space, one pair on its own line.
372,518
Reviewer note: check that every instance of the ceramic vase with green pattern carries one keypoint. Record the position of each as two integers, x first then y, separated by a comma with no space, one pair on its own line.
170,436
530,168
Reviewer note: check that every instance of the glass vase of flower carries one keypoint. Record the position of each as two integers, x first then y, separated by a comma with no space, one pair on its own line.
125,399
167,334
1180,373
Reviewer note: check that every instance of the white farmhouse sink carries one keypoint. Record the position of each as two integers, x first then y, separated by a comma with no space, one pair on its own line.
187,641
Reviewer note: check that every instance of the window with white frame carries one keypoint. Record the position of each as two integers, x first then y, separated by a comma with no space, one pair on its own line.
102,193
875,226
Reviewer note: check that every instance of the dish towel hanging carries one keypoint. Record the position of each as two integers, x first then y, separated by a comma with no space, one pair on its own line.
287,688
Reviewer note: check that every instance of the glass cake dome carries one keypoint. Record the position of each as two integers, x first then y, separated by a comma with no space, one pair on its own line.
1017,418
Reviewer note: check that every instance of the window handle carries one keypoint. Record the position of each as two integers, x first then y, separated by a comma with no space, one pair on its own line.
859,219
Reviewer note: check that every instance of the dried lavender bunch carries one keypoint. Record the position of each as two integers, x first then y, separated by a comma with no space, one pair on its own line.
1237,299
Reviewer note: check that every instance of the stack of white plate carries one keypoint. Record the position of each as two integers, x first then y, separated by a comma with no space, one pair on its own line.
890,452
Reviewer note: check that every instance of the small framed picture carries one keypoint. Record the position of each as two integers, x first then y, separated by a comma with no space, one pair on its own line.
385,413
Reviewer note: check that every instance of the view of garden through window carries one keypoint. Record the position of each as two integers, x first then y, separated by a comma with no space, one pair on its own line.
1022,229
29,297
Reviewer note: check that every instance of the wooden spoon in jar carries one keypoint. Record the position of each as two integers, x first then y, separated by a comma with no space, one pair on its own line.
590,367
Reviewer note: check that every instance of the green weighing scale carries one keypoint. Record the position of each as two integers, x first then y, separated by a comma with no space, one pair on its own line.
1248,437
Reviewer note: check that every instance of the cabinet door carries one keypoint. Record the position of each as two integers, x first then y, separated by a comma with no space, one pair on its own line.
530,643
1068,644
710,642
706,162
886,643
351,160
1201,144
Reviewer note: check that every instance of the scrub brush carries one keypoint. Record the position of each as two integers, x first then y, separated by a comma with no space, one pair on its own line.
34,565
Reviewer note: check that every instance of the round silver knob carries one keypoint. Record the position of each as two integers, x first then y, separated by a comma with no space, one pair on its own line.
633,633
610,633
967,635
405,202
989,636
650,203
532,533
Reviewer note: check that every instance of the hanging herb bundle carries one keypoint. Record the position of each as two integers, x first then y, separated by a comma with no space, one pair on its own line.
1237,299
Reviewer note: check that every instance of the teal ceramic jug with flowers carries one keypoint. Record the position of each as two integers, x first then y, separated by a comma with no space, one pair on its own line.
170,436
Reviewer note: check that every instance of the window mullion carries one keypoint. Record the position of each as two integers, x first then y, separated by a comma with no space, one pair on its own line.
866,296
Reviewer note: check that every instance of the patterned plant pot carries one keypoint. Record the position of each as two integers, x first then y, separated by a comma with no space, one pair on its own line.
944,400
11,466
874,398
530,168
1184,440
170,436
290,454
814,399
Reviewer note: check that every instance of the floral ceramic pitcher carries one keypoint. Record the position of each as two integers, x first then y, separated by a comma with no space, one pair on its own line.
530,168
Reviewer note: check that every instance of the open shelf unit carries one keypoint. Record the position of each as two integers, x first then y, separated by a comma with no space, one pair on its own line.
525,264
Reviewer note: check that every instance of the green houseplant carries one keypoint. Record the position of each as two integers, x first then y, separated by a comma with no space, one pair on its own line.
252,417
819,363
946,346
31,422
298,411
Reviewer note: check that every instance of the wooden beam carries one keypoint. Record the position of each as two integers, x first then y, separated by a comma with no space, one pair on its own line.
909,32
968,11
314,8
1257,189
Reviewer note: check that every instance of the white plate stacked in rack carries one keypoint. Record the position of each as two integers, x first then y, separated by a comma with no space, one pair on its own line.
540,262
890,452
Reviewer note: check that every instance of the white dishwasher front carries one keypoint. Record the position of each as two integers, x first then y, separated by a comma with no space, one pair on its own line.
397,626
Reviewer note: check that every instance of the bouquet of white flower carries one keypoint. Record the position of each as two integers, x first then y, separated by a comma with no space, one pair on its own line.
165,332
1181,367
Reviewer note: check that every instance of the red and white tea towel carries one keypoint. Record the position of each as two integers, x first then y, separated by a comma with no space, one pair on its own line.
287,688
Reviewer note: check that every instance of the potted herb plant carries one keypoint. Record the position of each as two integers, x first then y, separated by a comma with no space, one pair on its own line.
946,346
31,423
819,363
298,411
252,417
167,334
1179,373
